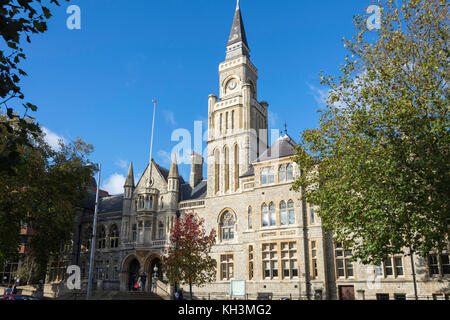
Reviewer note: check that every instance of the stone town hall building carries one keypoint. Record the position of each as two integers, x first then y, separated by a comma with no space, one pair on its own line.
266,234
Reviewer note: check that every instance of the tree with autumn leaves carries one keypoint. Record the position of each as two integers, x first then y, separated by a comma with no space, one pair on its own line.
188,260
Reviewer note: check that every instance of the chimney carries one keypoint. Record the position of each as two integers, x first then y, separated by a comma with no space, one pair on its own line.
196,169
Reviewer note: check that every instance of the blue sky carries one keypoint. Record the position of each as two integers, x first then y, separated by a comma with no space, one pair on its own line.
98,82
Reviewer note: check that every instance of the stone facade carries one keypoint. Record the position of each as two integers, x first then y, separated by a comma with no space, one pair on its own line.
266,234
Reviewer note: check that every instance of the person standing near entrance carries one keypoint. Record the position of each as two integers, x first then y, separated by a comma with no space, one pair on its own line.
9,290
143,280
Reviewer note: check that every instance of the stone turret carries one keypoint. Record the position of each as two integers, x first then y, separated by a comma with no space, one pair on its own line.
196,169
173,182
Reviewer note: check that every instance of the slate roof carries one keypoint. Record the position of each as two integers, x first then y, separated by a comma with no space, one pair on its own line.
199,192
283,147
111,204
237,30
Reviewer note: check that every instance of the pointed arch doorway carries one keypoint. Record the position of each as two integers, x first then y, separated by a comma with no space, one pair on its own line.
133,273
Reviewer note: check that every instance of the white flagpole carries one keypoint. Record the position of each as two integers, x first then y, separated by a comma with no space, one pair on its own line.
151,144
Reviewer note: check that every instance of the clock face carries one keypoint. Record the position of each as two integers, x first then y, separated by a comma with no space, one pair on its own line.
231,84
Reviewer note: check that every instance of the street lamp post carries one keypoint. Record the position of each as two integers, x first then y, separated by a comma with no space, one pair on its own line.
94,233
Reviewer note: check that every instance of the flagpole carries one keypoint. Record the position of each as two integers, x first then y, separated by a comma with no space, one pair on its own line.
151,143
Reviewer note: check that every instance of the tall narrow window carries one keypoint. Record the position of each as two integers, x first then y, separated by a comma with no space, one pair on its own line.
147,202
311,214
289,260
272,214
114,236
270,261
291,212
264,173
226,267
290,172
151,202
134,232
226,121
250,218
147,231
221,121
232,120
161,230
282,173
217,171
344,267
140,232
314,269
271,176
283,214
250,263
101,242
227,168
236,167
265,215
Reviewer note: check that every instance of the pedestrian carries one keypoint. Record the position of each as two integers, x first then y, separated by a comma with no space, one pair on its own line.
143,279
9,290
14,290
177,294
181,293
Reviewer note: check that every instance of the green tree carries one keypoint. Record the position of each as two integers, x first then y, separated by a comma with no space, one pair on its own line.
19,19
44,194
188,260
378,163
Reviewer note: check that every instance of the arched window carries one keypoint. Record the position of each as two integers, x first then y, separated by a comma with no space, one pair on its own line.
236,167
87,238
282,173
290,172
265,215
227,168
161,203
217,171
114,236
272,214
291,212
160,230
227,226
101,236
283,214
250,218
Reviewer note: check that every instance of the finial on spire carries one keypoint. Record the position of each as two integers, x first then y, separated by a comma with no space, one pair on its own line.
285,128
237,5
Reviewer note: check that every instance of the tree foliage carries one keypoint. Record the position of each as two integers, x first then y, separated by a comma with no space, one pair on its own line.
378,164
19,19
188,260
44,194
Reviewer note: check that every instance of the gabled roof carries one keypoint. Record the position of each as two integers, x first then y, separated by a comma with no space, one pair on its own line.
283,147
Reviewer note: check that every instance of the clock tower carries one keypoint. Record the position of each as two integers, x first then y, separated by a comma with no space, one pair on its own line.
237,121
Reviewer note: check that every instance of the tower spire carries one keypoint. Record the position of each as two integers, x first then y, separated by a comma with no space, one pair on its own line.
129,182
237,42
173,173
